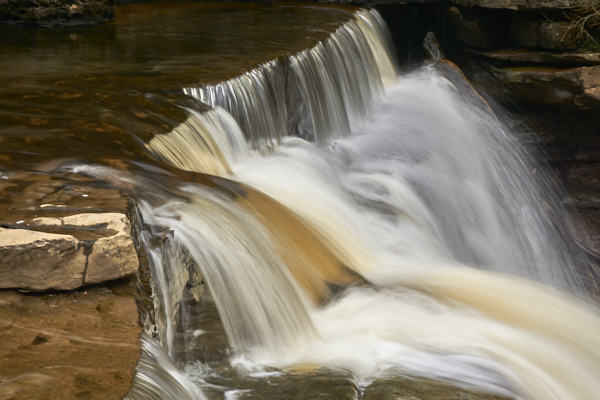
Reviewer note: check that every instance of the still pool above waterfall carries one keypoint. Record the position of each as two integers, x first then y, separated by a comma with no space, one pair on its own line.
84,91
311,224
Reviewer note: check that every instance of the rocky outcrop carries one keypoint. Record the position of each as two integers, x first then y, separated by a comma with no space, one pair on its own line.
478,28
61,233
553,87
540,52
545,29
51,13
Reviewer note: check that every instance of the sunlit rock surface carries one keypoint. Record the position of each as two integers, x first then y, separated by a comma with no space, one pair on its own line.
41,261
59,234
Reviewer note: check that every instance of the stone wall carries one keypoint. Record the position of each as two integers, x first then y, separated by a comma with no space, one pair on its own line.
533,58
547,52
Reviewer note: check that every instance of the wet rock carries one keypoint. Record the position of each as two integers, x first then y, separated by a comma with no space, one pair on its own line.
432,47
48,13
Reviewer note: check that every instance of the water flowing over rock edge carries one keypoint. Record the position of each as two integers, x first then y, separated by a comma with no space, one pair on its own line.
232,108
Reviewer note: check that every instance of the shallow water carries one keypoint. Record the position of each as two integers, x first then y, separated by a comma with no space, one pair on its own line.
86,91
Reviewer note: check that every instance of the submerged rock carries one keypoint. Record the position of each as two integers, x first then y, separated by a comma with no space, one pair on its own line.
420,388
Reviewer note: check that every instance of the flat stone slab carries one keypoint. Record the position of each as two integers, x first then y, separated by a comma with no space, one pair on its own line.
38,260
61,233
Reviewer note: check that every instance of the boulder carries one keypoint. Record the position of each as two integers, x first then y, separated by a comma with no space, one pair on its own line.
39,260
533,30
558,36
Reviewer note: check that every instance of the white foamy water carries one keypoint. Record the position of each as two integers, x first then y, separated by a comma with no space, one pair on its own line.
423,244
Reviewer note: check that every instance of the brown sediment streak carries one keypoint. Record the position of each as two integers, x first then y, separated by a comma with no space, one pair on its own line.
520,302
313,264
553,317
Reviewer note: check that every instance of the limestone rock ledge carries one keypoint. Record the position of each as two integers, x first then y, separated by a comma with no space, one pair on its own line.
40,261
62,233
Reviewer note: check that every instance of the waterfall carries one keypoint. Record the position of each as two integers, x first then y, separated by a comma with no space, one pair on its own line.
317,94
394,228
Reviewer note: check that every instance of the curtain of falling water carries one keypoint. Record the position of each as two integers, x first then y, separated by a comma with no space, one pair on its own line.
427,215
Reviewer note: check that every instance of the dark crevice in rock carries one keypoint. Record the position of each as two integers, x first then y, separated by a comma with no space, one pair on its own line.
88,248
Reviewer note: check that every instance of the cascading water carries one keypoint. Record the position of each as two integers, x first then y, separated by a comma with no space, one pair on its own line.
422,244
